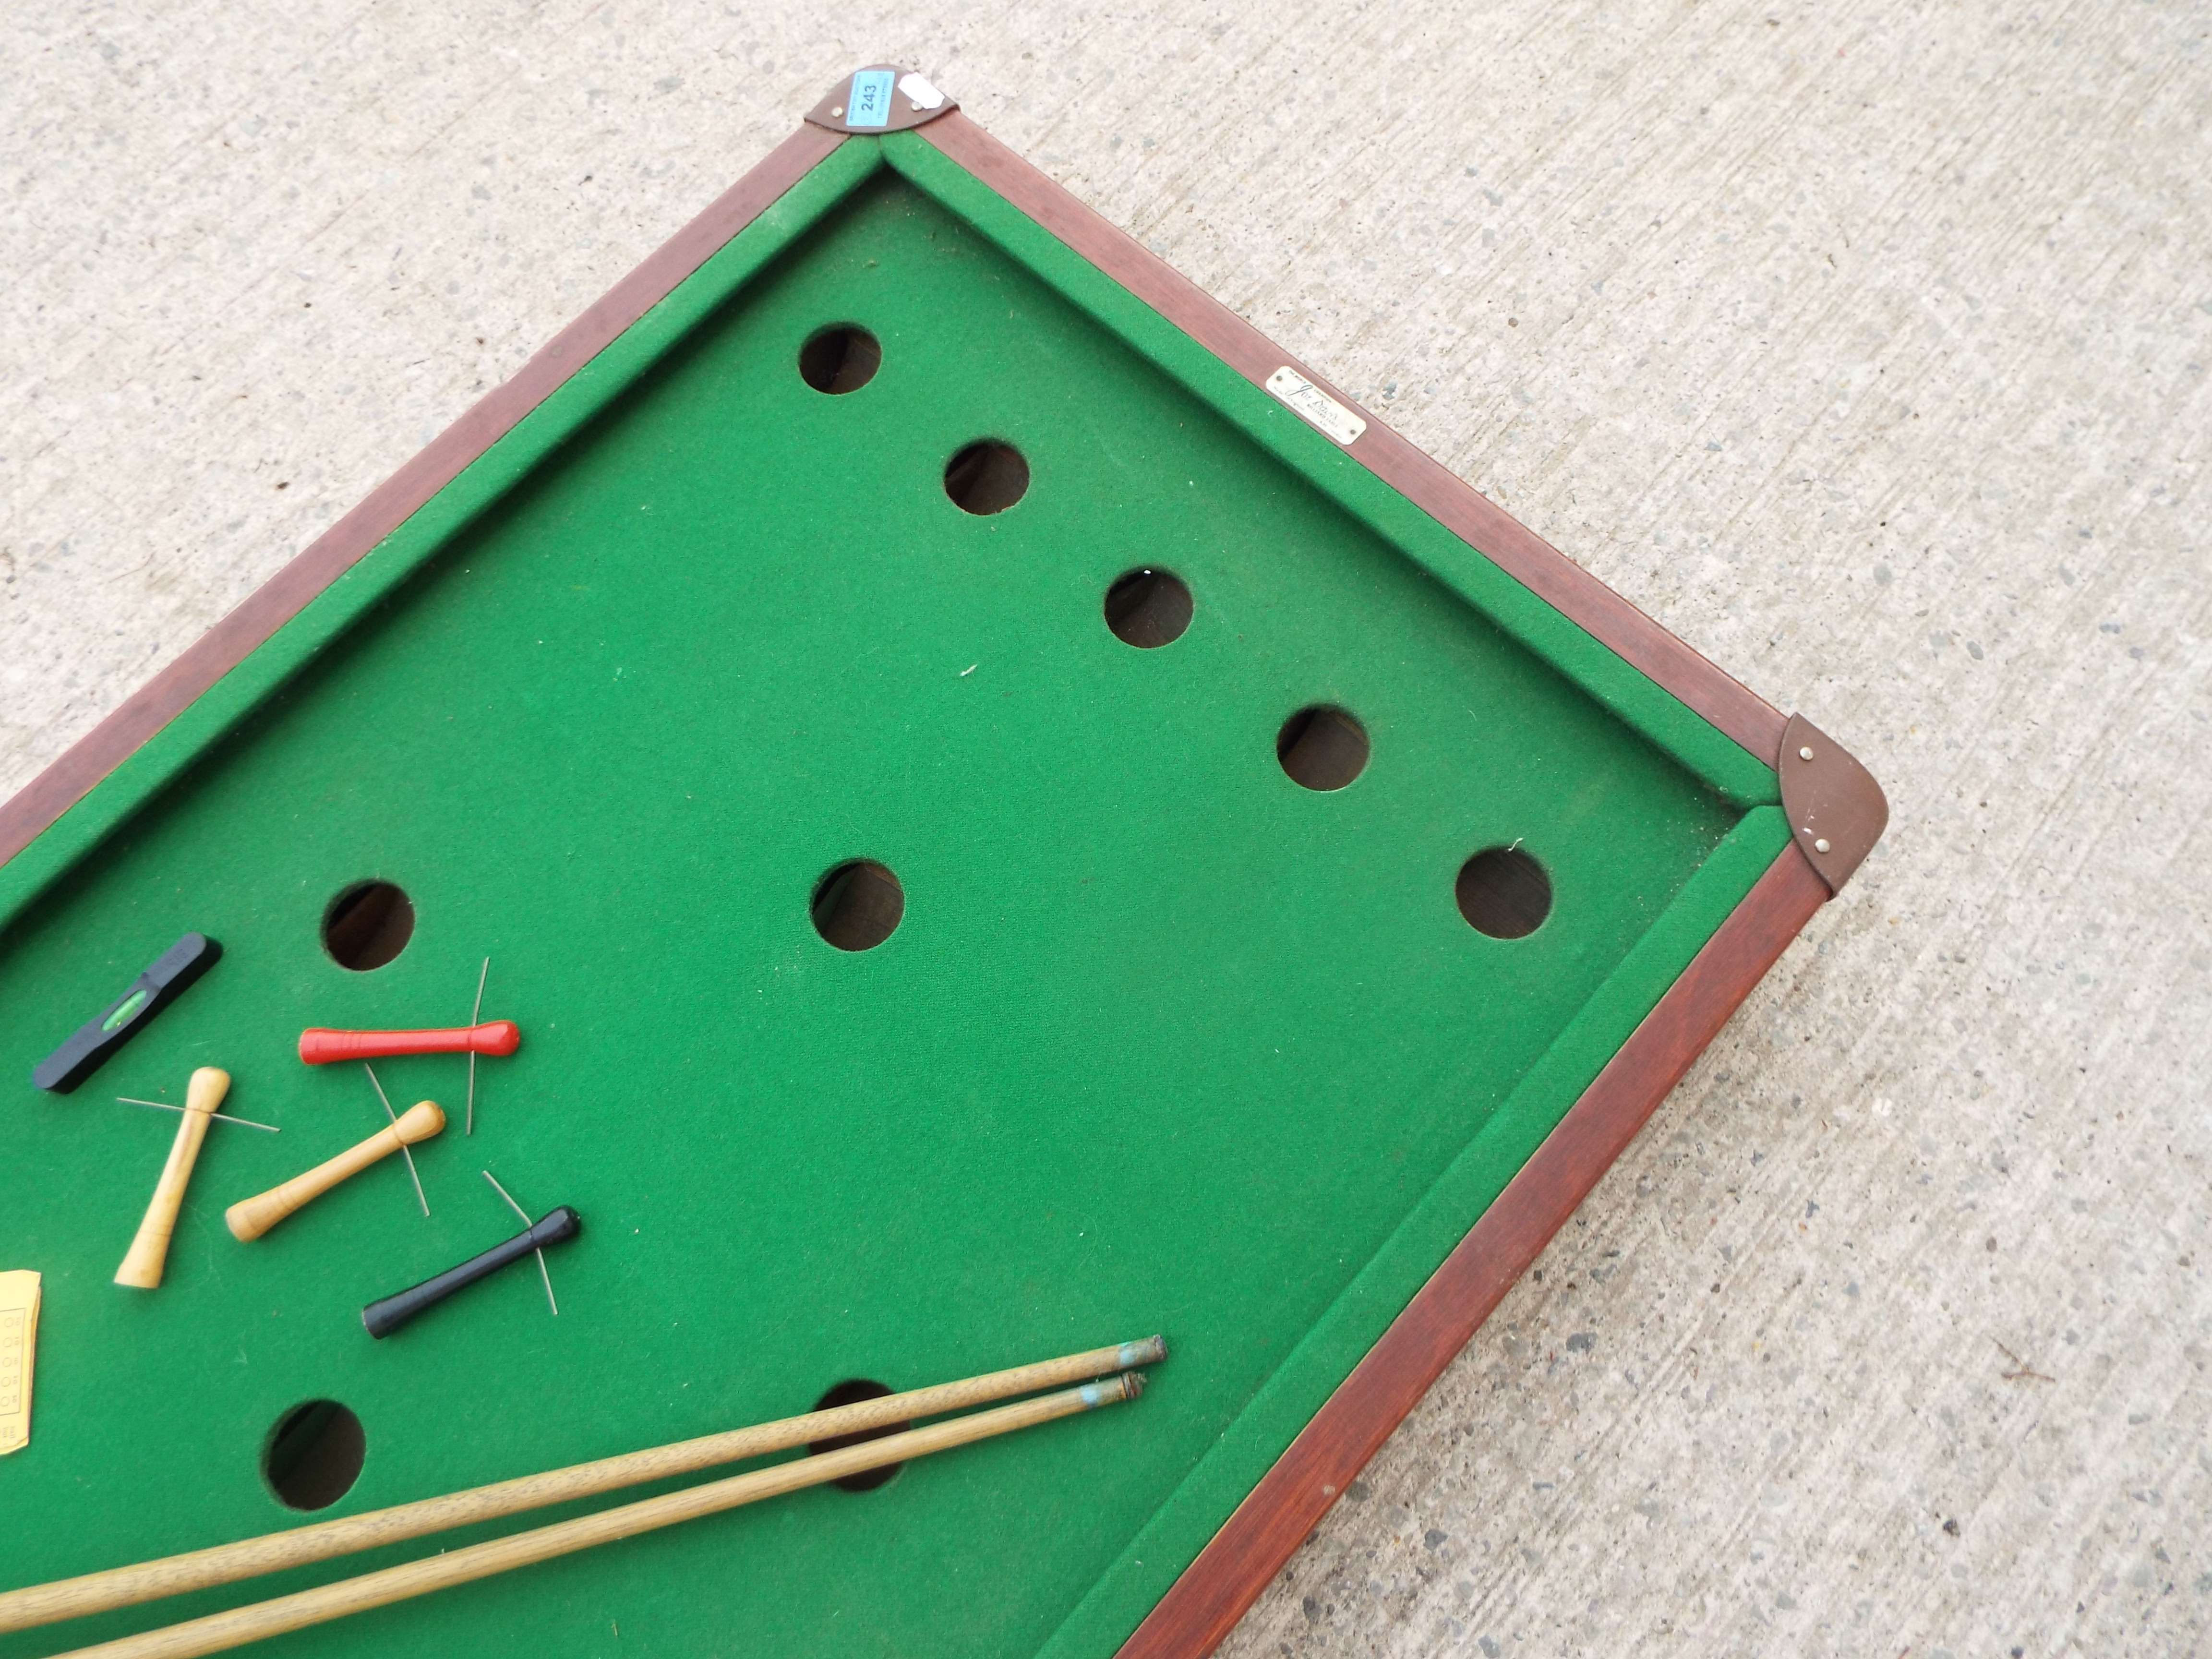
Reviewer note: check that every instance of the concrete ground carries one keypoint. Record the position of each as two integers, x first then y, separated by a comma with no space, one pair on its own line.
1865,346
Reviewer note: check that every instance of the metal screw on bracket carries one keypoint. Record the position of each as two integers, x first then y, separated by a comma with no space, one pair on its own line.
1804,754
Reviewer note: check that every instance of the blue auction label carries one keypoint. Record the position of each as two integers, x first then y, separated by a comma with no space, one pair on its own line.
870,106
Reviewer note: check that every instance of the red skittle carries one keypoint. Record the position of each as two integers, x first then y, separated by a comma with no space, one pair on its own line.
495,1036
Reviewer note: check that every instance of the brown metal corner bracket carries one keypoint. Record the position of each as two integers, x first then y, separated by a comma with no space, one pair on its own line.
881,98
1837,811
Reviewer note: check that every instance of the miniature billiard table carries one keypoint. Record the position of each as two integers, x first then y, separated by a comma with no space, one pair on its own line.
1009,815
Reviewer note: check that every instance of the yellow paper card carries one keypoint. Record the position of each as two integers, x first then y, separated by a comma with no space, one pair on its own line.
19,1346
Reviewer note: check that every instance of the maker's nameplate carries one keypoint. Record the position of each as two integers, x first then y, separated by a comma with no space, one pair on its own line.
1319,409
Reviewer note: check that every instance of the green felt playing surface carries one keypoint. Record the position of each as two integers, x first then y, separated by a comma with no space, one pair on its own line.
1162,1041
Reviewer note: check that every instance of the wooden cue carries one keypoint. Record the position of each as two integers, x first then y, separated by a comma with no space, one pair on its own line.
258,1620
224,1564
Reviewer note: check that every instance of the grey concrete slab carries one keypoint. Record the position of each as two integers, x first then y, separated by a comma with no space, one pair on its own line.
1865,346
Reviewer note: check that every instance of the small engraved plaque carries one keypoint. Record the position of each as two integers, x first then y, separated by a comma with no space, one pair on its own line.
1320,408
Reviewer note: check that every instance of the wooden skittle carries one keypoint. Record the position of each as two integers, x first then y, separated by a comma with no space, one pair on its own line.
250,1217
150,1250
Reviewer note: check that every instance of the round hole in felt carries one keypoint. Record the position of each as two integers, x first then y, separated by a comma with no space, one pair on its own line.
841,358
858,905
314,1455
1148,609
367,925
1321,747
1504,892
986,476
851,1394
